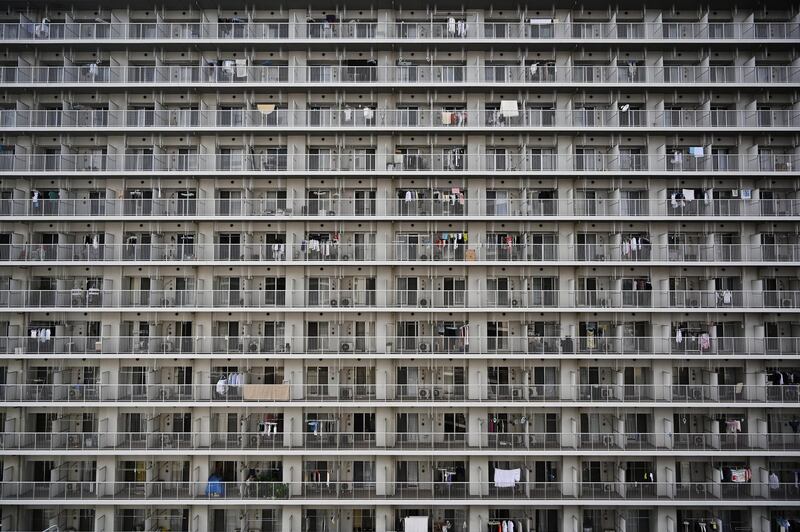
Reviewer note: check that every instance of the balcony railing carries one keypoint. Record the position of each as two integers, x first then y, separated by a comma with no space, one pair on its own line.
400,441
506,162
392,206
409,345
654,492
355,118
405,393
536,29
411,75
345,252
80,299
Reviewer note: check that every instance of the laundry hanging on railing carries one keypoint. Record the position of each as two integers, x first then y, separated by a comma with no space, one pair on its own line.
733,426
269,425
453,158
463,333
782,377
241,68
454,118
266,108
446,240
42,334
633,245
736,475
323,247
724,297
696,151
506,478
278,251
509,108
415,524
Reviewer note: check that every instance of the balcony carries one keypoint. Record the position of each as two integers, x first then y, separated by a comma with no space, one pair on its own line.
391,119
423,74
537,29
77,394
346,252
260,205
652,493
400,345
441,160
507,161
342,299
278,442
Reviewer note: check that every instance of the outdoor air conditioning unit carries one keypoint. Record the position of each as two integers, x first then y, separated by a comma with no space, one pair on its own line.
347,347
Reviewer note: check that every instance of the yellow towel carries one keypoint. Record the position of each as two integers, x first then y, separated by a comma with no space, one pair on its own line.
266,108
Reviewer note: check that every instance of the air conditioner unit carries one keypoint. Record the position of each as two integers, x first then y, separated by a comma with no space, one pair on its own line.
786,303
423,347
516,393
347,347
345,302
334,303
423,302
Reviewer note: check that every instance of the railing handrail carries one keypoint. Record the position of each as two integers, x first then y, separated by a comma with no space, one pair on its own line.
545,29
417,393
343,298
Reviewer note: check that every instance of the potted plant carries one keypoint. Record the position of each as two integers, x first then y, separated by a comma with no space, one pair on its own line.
281,491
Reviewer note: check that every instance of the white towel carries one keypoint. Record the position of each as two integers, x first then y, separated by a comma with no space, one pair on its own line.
509,108
241,68
416,524
506,478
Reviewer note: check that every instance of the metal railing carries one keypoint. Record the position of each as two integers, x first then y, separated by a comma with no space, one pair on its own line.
275,440
536,29
416,74
421,393
357,118
417,490
256,204
432,298
444,160
690,346
345,252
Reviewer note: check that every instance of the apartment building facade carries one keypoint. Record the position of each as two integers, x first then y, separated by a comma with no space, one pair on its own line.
399,268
